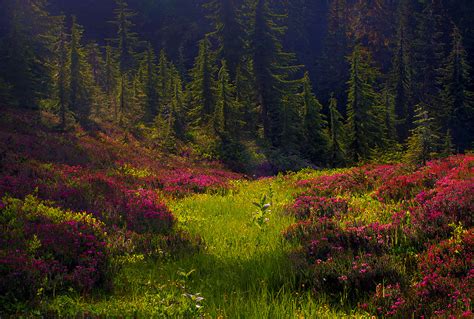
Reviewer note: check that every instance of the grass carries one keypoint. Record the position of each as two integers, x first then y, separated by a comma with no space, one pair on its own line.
243,271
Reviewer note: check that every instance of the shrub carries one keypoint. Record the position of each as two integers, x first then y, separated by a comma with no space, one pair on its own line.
306,206
46,248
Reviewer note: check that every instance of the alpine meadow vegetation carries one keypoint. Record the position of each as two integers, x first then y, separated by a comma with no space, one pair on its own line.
236,159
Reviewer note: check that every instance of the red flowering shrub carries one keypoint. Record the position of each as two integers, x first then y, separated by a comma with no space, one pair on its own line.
48,248
145,213
404,187
354,181
447,285
306,206
388,301
452,201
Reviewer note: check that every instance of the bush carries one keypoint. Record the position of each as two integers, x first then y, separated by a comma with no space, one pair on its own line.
47,249
309,206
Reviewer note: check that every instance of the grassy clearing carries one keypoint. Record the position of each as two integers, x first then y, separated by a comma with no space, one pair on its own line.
243,271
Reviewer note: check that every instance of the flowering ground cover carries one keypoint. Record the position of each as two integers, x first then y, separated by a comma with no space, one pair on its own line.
102,225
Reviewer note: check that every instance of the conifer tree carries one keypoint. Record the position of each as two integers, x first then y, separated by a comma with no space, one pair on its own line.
336,132
225,118
62,58
246,97
363,124
228,31
164,79
272,68
126,39
423,140
457,99
314,126
110,80
201,85
27,38
402,71
79,93
448,146
150,85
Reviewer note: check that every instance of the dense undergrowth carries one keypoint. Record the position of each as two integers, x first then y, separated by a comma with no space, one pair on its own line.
100,225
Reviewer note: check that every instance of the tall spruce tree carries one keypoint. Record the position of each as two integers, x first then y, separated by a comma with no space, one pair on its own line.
150,85
272,68
336,133
316,138
423,141
363,125
62,60
457,99
228,31
79,81
201,85
226,112
402,70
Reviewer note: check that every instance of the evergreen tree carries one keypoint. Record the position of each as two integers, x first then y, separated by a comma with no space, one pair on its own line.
389,120
402,71
62,59
110,80
314,126
79,85
334,67
448,146
27,38
201,85
457,99
126,39
430,54
228,31
150,85
226,117
363,125
336,132
164,80
246,97
422,142
272,68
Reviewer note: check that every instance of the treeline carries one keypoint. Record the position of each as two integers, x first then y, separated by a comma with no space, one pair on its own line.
393,76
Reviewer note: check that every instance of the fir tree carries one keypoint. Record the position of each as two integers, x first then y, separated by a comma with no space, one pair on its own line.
423,140
272,68
225,117
336,132
228,31
110,80
201,86
363,125
402,71
79,89
62,59
457,99
126,39
314,126
150,84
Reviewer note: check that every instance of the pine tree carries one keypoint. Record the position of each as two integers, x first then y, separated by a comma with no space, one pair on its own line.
79,89
334,67
62,59
423,140
110,80
150,85
363,125
336,132
272,68
389,119
448,146
126,39
164,80
27,38
228,31
225,117
457,100
402,71
430,53
246,97
201,86
314,126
